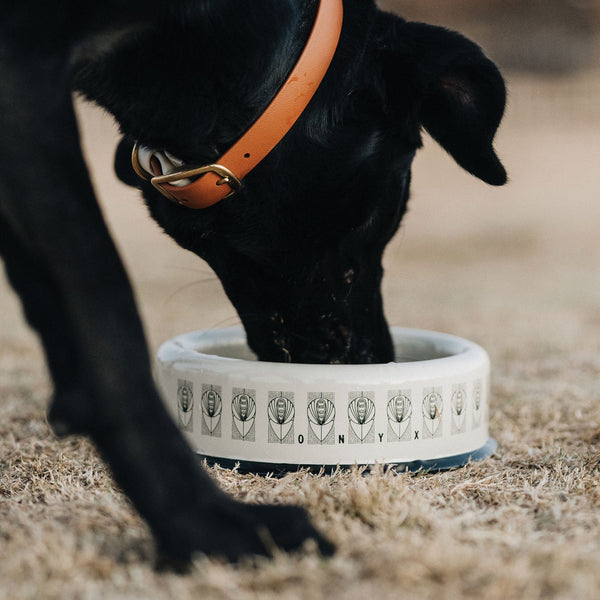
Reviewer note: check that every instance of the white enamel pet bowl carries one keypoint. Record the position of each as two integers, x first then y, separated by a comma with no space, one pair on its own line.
427,410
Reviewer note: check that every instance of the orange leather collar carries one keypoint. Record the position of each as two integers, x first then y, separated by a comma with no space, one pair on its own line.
218,181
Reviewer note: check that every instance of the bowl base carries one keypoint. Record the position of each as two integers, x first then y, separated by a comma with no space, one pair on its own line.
430,466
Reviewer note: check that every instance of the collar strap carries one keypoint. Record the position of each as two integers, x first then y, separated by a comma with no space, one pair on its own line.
218,181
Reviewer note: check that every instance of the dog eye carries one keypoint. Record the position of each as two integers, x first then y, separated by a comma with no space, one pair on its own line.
157,163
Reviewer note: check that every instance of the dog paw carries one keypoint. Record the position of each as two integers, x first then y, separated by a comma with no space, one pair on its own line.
233,531
287,528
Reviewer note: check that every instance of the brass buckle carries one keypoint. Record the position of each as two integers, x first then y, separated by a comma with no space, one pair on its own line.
227,177
135,163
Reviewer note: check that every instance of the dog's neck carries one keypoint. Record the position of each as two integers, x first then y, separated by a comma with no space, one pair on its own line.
190,45
220,180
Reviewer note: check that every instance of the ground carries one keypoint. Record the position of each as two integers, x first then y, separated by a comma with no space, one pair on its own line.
516,269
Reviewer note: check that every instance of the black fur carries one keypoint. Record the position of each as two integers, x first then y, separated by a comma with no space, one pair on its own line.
298,250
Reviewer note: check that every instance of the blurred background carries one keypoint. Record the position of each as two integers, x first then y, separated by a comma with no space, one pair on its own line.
522,261
540,36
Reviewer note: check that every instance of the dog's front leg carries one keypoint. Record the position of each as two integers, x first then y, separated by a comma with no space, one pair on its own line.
82,305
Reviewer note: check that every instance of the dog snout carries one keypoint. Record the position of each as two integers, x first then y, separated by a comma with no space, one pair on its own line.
326,340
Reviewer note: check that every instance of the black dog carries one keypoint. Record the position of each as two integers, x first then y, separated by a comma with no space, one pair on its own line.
298,250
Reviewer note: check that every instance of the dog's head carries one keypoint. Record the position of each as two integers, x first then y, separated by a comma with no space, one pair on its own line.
299,249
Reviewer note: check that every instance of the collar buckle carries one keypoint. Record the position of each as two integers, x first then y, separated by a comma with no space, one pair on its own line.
162,182
225,177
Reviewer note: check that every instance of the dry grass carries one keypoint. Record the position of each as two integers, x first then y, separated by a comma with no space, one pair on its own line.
515,269
521,525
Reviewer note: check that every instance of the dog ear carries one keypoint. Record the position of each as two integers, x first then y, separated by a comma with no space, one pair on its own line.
458,94
122,164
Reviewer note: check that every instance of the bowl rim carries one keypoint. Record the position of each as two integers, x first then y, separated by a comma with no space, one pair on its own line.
186,351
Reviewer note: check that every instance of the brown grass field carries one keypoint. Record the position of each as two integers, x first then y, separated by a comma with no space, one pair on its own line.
515,269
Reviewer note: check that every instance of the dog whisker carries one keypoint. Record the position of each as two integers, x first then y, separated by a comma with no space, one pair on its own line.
228,322
206,272
185,287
